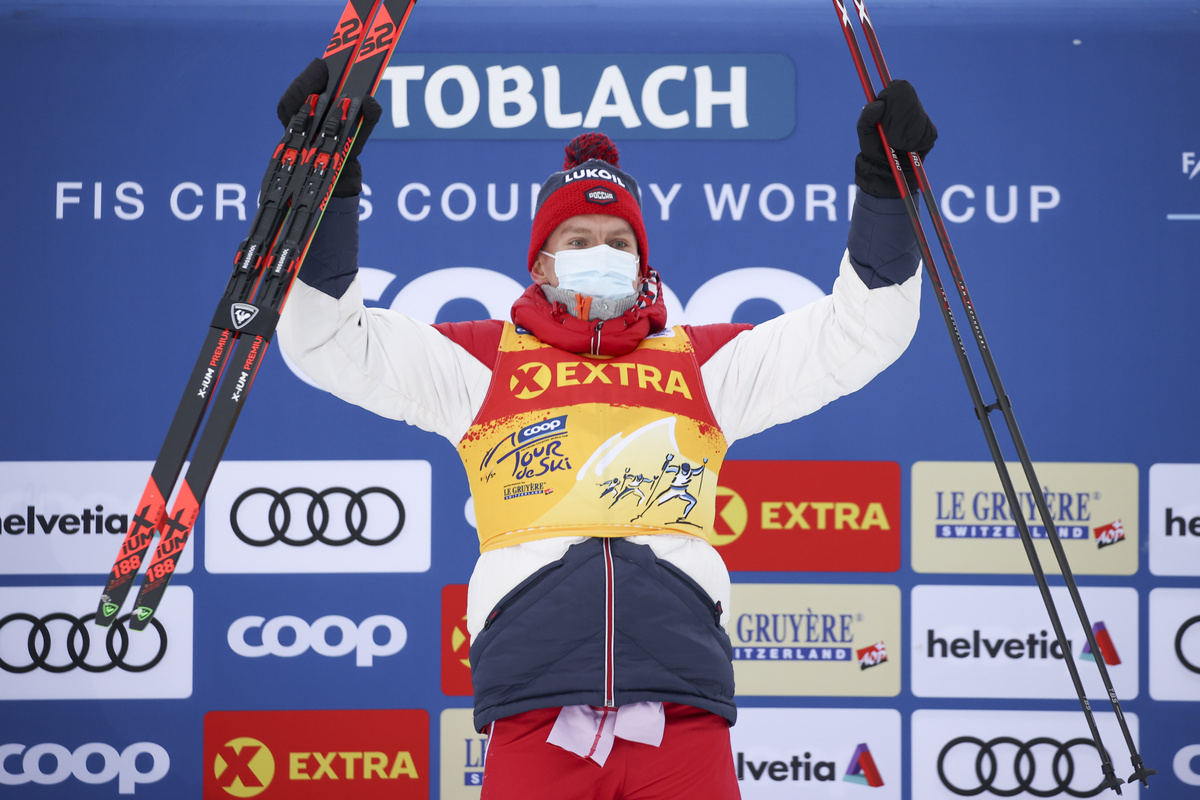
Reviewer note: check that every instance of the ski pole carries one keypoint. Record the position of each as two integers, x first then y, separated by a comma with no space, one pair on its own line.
1001,404
1141,772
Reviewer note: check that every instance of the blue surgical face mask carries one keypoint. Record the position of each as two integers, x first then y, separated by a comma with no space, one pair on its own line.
600,271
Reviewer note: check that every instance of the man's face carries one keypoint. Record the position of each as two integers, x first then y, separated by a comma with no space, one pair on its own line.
580,233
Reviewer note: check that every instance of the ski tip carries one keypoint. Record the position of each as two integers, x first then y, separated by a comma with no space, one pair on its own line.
141,618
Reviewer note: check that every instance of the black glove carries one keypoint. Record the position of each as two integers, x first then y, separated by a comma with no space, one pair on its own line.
313,80
908,130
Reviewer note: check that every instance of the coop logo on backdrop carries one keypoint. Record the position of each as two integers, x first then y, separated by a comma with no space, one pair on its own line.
555,95
93,763
297,755
785,753
997,641
68,517
464,754
377,635
962,520
319,516
816,639
1174,524
1174,660
51,648
809,515
1010,753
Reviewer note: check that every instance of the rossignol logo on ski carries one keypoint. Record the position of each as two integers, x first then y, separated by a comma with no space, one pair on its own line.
242,313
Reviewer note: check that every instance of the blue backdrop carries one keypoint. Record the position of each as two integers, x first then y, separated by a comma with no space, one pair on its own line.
135,136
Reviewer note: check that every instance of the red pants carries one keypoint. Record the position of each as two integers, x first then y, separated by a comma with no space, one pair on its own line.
695,760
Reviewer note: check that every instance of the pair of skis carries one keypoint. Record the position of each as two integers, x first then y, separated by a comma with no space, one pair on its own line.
295,190
1002,404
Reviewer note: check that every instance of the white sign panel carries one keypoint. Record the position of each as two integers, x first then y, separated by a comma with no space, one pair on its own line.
319,516
997,641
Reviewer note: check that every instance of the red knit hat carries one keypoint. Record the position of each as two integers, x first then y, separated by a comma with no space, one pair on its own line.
590,183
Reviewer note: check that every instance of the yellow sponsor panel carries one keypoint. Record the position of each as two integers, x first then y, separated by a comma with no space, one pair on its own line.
462,755
962,520
816,639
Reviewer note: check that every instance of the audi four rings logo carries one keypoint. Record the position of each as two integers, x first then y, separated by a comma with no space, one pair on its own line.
79,644
1183,629
1025,767
317,516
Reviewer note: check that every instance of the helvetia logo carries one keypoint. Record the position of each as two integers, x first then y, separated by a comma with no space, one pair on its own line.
862,767
1108,650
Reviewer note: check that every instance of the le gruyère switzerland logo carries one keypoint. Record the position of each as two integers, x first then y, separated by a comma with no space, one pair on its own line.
530,380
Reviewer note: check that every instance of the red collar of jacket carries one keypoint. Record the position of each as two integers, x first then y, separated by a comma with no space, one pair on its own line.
553,324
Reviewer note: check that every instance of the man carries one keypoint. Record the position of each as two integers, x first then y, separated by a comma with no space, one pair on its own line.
599,656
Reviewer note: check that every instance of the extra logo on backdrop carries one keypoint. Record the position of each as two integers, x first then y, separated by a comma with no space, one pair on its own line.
814,753
456,642
962,522
997,641
51,648
791,640
556,95
815,516
68,517
318,516
1013,753
297,755
1174,524
463,755
1174,661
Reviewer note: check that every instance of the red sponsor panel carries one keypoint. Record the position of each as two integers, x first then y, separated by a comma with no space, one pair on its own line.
456,642
811,516
298,755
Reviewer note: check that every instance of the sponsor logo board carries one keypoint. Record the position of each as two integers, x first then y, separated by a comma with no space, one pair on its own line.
69,517
997,641
295,755
51,648
549,95
961,520
1174,644
1013,753
816,516
463,751
815,753
1174,523
456,642
50,763
791,640
378,635
319,516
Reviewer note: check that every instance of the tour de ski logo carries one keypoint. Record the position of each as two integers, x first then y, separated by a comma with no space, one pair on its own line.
531,452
